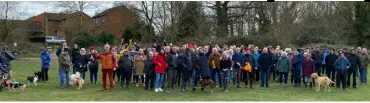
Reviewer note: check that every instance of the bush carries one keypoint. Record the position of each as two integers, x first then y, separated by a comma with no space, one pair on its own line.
105,37
37,39
86,40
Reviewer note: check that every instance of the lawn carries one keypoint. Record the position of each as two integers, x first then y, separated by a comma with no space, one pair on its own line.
51,92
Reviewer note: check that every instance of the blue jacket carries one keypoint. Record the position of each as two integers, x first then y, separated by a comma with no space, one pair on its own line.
298,61
238,57
185,61
326,53
342,63
45,59
203,64
256,56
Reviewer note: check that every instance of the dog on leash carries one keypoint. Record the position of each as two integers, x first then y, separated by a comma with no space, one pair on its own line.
32,79
207,82
78,82
322,81
12,85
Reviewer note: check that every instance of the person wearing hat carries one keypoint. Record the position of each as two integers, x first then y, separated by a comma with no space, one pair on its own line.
64,67
5,58
317,58
93,67
297,64
45,64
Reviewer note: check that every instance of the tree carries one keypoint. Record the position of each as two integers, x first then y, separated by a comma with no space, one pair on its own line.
73,6
10,19
189,19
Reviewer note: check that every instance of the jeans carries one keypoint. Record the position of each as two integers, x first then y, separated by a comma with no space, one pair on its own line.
297,76
285,75
62,76
94,74
224,79
104,78
45,76
83,74
196,77
215,72
178,77
363,75
158,80
265,73
125,77
257,73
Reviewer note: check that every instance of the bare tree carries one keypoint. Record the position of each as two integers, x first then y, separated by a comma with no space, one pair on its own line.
10,19
73,6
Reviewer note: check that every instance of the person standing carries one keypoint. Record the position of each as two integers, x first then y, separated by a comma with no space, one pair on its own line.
125,65
256,72
160,63
297,64
93,66
149,72
60,49
81,62
317,58
248,76
342,65
308,68
225,64
324,55
45,64
186,67
354,59
5,58
172,67
75,52
203,64
265,62
329,63
214,58
139,64
365,61
64,67
109,64
283,66
238,59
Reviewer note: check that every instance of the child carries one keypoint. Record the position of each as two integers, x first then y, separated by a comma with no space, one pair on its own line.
12,85
308,68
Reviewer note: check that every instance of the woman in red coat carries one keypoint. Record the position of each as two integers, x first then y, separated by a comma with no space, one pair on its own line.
160,68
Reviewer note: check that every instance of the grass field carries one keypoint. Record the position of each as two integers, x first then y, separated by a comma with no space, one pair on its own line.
51,92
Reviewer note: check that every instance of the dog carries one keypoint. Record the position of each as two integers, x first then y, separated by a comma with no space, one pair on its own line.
33,79
75,76
39,75
207,82
12,85
322,81
78,82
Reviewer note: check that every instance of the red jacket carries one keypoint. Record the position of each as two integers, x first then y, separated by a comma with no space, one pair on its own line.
160,63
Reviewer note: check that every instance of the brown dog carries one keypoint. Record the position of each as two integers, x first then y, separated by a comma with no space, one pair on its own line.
207,82
322,81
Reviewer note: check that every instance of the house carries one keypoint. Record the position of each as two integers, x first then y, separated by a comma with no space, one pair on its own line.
55,24
114,20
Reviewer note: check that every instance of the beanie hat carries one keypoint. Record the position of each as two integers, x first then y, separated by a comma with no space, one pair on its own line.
299,50
92,48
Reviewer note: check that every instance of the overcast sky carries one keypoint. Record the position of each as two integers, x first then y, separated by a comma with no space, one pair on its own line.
33,8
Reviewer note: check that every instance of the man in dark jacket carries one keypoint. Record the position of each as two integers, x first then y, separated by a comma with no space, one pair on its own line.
5,57
149,72
317,58
172,67
238,60
354,59
185,66
125,64
74,56
297,64
265,62
329,62
202,70
249,58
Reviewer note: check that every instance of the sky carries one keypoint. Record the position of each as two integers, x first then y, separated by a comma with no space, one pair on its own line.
33,8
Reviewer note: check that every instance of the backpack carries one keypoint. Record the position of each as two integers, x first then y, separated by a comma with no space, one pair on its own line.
247,67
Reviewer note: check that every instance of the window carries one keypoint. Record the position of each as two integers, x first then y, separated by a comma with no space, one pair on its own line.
103,21
96,20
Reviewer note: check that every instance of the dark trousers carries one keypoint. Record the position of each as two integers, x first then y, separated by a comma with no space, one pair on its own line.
151,80
137,78
185,78
323,69
297,76
265,73
248,77
292,76
238,76
93,74
74,68
125,77
196,77
45,76
171,78
117,74
318,69
257,74
330,72
341,78
351,72
285,76
215,72
178,77
273,73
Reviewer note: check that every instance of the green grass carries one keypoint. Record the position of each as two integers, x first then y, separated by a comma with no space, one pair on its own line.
51,92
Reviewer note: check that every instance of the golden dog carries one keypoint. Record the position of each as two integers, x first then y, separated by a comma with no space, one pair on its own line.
321,81
78,82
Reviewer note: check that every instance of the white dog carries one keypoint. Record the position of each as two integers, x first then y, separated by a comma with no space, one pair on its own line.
75,77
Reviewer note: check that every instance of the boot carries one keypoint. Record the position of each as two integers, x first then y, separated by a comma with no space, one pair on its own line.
310,84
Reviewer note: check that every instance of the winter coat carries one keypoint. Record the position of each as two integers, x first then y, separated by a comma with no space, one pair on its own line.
107,60
249,58
225,63
238,58
365,60
216,58
82,61
45,59
64,63
298,61
74,55
308,67
317,57
330,60
202,63
125,63
160,63
256,56
283,64
172,60
354,59
185,61
149,67
93,62
5,58
139,64
341,64
265,61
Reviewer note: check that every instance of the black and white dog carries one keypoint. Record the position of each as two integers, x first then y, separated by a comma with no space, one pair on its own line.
34,79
